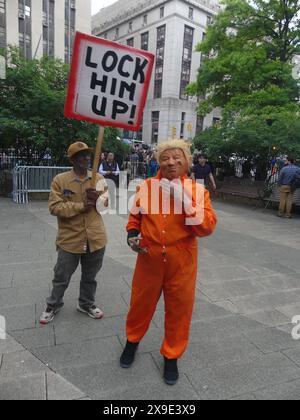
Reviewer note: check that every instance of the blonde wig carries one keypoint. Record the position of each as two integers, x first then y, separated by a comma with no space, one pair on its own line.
176,144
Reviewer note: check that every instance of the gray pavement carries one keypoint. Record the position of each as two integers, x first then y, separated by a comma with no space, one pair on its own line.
241,346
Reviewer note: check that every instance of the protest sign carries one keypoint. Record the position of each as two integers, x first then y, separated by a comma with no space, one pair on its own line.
109,82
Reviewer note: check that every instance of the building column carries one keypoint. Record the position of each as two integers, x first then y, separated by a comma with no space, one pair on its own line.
37,28
12,22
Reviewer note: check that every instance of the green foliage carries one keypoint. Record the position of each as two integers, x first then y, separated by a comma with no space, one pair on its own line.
32,102
248,73
114,145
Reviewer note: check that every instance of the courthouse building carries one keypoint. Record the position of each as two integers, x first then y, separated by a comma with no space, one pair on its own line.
171,29
43,27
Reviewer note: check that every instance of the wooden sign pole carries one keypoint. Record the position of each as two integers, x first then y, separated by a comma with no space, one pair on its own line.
98,151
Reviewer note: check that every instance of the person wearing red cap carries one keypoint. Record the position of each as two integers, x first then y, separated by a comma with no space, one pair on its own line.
81,233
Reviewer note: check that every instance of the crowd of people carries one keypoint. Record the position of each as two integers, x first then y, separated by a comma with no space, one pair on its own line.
142,163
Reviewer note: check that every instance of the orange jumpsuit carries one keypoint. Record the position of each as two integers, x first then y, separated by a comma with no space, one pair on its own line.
169,267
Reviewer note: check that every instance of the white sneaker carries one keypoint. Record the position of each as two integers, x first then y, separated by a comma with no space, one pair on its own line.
92,312
48,316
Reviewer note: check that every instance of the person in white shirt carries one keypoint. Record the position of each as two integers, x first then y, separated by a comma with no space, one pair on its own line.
109,168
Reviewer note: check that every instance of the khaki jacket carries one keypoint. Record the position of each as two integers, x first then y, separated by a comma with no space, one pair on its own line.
76,228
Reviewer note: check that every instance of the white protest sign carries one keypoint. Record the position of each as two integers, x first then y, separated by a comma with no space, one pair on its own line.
109,82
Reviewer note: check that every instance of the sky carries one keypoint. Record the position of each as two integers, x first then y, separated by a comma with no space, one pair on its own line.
99,4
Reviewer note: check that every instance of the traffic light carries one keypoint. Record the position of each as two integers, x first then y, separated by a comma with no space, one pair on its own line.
174,132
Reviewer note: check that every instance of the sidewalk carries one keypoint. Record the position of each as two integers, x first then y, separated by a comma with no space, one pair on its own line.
241,345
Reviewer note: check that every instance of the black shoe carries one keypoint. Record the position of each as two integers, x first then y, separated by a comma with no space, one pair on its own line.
128,355
171,373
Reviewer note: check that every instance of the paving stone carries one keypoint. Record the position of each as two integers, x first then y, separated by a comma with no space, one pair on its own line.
245,397
37,337
269,318
33,278
271,340
222,274
289,310
22,296
26,388
280,283
106,378
289,391
243,268
82,353
217,352
158,391
266,301
19,317
59,389
5,280
27,265
9,345
238,378
294,355
69,332
21,363
232,289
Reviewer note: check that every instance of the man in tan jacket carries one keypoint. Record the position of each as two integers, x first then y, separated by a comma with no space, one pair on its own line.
81,232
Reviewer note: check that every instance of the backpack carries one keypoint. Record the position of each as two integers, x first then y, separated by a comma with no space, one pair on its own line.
295,182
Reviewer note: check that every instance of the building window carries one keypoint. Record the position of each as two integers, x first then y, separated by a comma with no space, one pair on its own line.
145,41
186,60
182,125
130,26
145,19
70,17
155,127
48,27
117,33
25,36
191,13
162,12
216,121
209,20
2,23
199,124
130,42
160,53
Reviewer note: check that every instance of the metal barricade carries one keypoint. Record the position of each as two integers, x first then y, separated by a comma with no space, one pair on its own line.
33,179
275,196
136,170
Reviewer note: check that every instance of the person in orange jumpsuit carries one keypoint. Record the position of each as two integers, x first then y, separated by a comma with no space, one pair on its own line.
169,213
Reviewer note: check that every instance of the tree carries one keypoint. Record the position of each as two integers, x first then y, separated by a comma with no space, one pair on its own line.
249,74
113,144
32,110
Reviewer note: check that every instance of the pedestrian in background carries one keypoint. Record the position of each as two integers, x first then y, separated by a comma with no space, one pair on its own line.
202,172
286,177
109,169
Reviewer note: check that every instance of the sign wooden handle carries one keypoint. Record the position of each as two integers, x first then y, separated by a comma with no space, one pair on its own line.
97,156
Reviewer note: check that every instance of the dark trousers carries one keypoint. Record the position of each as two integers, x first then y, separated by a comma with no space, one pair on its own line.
67,263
